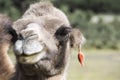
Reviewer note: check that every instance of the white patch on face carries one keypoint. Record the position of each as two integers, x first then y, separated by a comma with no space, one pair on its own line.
31,35
18,47
32,46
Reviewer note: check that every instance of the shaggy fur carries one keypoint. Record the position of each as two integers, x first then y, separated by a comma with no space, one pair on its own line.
51,18
6,67
47,27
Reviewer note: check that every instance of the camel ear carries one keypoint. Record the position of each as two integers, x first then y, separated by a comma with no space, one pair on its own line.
77,38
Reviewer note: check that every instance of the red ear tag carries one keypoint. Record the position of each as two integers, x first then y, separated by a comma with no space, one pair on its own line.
81,58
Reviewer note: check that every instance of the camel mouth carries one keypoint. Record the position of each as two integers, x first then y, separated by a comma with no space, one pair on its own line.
33,58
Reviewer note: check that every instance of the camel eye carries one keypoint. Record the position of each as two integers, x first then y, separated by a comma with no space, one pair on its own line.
63,33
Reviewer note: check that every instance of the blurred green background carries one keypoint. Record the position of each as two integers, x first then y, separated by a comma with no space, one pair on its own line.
99,21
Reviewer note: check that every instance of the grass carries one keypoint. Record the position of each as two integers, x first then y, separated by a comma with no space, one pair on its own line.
99,65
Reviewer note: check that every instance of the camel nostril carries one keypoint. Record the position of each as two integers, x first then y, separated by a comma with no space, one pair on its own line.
32,46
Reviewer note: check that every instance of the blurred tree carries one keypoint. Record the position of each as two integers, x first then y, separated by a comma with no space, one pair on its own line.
14,8
97,6
79,12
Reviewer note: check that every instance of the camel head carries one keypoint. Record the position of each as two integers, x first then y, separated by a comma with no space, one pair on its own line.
43,42
44,45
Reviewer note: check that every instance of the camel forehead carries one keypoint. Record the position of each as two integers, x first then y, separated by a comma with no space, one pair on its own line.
34,27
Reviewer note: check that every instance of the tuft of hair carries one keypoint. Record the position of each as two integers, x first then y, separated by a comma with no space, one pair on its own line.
45,7
5,24
6,66
77,38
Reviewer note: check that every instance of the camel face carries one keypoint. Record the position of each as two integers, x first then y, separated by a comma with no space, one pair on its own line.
42,44
42,39
36,43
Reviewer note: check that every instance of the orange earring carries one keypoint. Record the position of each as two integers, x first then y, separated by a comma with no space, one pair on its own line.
81,56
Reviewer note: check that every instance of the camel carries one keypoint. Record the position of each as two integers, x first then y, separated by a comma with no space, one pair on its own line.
6,66
42,40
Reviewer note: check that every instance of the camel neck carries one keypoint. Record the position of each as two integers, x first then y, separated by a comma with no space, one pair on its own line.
6,66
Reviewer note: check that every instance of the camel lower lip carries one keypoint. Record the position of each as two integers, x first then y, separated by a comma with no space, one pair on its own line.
31,59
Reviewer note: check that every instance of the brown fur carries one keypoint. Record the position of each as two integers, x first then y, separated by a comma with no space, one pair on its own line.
77,38
55,32
54,22
6,67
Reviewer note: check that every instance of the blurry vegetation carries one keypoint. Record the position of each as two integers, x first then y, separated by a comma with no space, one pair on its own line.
15,8
88,15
